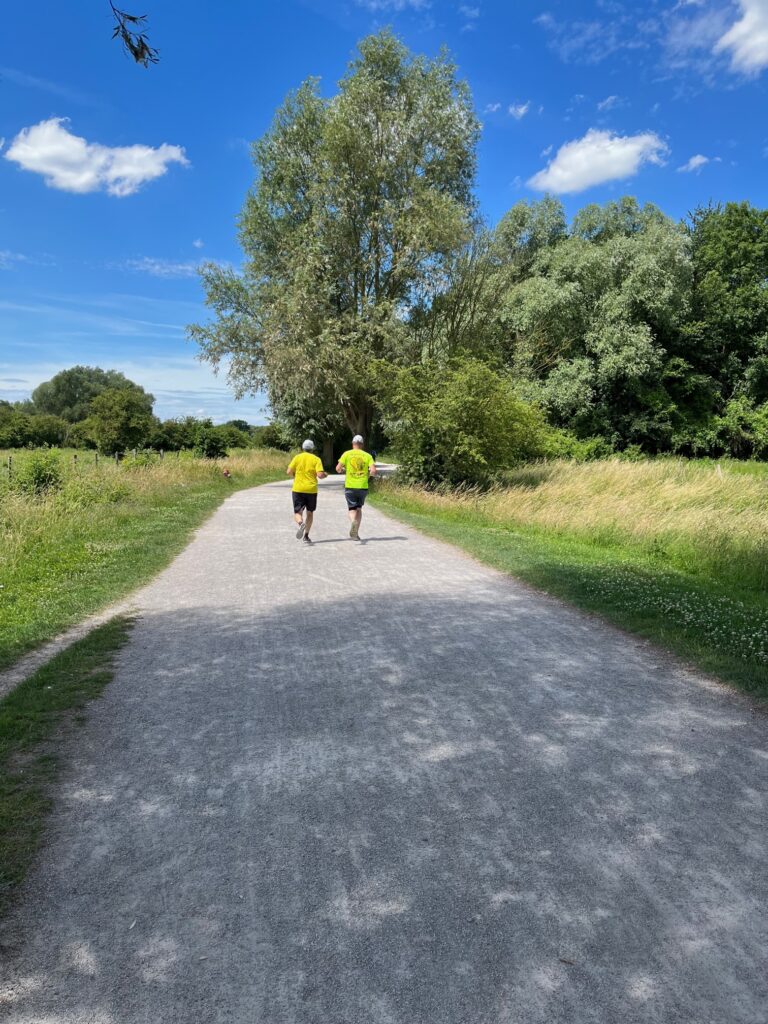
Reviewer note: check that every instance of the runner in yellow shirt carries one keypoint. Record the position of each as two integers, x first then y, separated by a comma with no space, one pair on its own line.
358,466
306,469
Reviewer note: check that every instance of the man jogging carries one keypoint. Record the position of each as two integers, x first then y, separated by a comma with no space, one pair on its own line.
358,466
306,469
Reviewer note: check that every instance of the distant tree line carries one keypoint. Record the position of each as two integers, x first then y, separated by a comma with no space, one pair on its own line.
373,298
87,407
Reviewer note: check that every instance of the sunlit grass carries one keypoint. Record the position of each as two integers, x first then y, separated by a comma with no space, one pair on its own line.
676,551
31,718
109,528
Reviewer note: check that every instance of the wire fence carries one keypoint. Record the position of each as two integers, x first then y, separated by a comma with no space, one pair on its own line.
94,458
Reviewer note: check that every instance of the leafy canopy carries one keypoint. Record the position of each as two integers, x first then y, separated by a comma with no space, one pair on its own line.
359,202
70,393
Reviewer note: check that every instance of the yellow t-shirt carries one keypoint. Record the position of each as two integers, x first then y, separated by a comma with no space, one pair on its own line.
306,467
356,463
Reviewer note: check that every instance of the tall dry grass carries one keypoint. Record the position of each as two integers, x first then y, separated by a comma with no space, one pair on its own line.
93,489
698,517
106,529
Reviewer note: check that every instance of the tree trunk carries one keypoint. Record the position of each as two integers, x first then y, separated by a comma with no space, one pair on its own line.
328,452
359,418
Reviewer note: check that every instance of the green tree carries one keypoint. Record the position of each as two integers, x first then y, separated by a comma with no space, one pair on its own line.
120,420
359,203
211,444
727,335
14,427
459,422
233,437
50,431
71,392
594,317
242,425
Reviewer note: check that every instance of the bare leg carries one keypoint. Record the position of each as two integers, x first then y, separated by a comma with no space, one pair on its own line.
355,515
308,522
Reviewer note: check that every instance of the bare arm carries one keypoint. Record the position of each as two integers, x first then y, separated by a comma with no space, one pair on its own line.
339,468
321,475
372,469
290,472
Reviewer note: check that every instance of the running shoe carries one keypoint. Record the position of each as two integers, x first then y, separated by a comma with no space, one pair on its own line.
353,531
307,540
300,532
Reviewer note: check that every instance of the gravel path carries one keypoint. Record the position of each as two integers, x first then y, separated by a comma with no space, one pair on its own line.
379,783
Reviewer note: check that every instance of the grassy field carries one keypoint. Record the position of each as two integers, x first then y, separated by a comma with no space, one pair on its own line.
71,551
674,550
32,718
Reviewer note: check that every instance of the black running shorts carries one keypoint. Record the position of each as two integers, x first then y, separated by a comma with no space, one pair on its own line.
303,501
355,496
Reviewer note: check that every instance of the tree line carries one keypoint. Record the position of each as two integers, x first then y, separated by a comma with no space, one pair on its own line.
374,299
87,407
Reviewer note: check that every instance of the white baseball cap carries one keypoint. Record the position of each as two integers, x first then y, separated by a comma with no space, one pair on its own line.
308,446
357,439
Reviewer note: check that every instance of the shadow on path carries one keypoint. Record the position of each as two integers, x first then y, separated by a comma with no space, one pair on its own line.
399,811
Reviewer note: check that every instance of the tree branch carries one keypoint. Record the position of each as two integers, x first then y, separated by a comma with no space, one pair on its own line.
129,30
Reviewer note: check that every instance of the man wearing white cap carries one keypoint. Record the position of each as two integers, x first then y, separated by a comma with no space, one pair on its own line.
306,469
358,466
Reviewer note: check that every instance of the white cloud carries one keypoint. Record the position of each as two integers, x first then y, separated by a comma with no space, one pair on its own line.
70,163
492,108
546,152
608,103
163,268
519,110
697,162
469,12
9,259
747,39
598,157
198,243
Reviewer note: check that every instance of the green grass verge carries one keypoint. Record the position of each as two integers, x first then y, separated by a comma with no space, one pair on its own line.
721,629
32,718
69,556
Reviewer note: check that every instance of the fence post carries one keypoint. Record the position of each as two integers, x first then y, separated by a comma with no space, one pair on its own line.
10,466
96,459
74,461
162,454
134,454
117,458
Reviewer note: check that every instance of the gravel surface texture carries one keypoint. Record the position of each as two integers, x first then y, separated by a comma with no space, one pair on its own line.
379,783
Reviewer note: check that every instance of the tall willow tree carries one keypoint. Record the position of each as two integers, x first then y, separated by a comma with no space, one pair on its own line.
359,203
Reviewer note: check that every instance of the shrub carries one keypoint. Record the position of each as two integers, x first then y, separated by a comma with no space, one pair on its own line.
271,436
210,445
460,423
560,444
39,473
120,420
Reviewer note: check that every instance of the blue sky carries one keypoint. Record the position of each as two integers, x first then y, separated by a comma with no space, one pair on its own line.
115,181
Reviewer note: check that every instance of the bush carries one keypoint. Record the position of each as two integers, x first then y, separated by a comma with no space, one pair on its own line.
458,424
39,473
120,420
210,445
271,436
562,445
